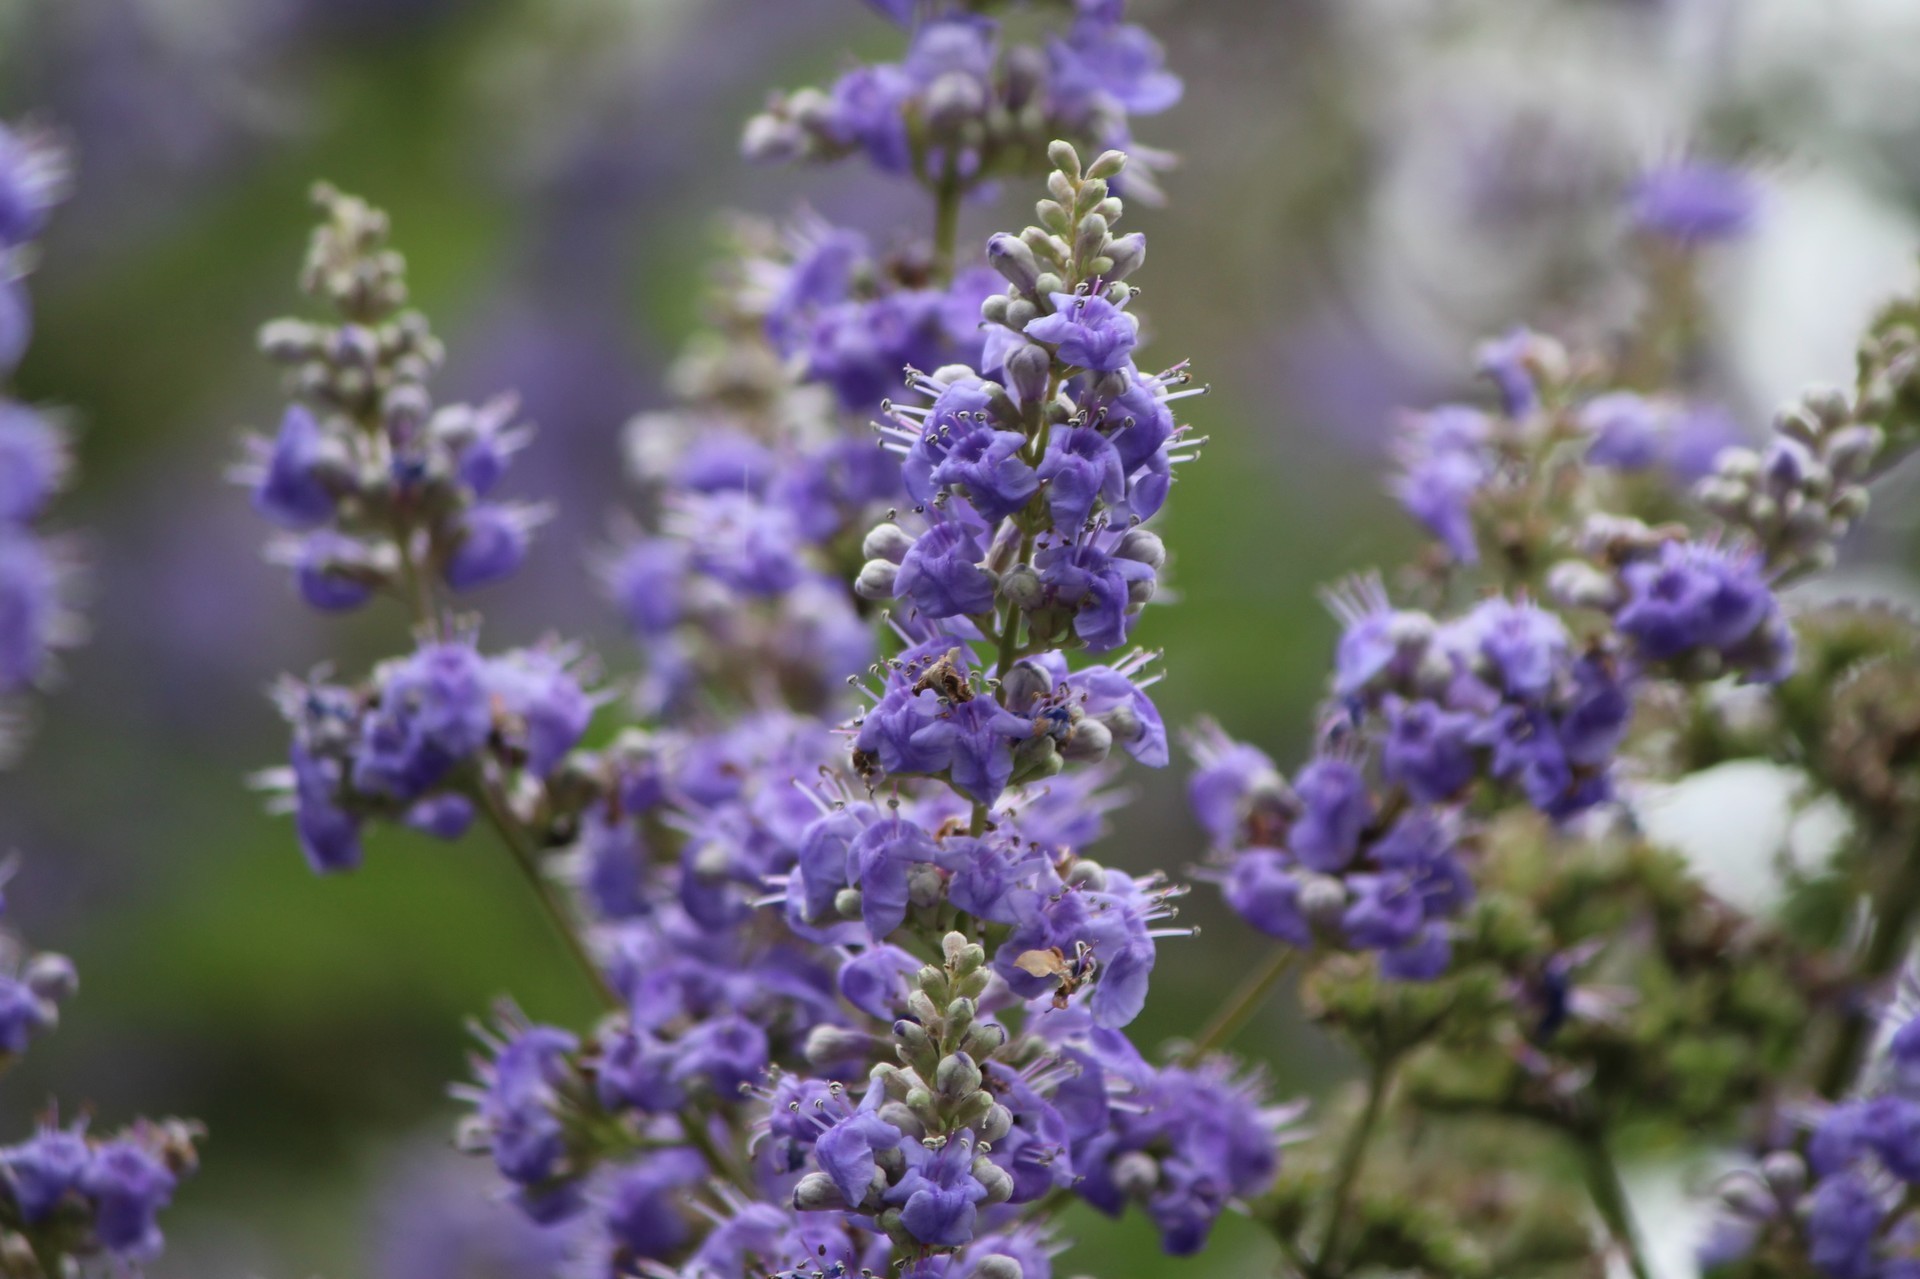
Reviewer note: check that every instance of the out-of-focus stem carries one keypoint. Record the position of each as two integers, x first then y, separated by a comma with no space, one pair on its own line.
1353,1156
1232,1016
1610,1200
1893,916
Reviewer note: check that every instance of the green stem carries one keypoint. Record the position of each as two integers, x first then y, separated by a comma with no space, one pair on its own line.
1610,1199
1232,1016
1893,917
1346,1177
527,859
946,225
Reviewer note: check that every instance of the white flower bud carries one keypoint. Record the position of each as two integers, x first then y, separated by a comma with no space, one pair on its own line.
876,580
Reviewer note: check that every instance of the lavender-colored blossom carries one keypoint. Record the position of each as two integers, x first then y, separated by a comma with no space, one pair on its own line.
1081,468
1088,332
34,459
1335,807
939,1195
1695,202
987,466
492,545
128,1185
942,573
293,487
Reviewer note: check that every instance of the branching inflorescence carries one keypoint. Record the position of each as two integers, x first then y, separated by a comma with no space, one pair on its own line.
72,1198
867,995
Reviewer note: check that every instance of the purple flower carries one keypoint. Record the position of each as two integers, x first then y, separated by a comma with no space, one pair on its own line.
128,1185
334,573
1095,584
329,835
873,981
1222,788
43,1169
643,1202
959,410
1445,463
291,487
750,545
1626,431
637,1070
1521,645
32,174
30,608
1428,749
938,1194
613,859
435,710
33,461
987,465
517,1104
1103,63
845,1151
943,576
1509,362
868,111
445,817
492,544
1087,332
1694,595
1081,468
1335,809
644,579
547,711
725,1052
1842,1224
878,862
976,736
1695,202
1264,889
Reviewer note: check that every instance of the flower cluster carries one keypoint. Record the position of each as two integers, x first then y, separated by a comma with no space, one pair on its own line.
380,491
963,106
35,575
867,997
1835,1193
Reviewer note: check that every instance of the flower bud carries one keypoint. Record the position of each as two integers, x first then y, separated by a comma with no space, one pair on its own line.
995,1124
995,1178
769,139
1012,258
1135,1174
847,903
1127,253
956,1076
1088,742
887,541
1323,900
983,1040
1143,546
1027,373
1088,874
1062,156
876,580
1024,685
817,1193
1021,587
1785,1172
52,977
829,1046
997,1267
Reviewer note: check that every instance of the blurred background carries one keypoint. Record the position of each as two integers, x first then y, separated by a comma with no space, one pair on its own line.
1368,187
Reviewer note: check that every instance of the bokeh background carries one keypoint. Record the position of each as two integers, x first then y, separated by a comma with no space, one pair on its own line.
1368,186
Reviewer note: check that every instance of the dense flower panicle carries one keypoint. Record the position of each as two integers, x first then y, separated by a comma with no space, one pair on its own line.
421,739
963,106
394,494
37,579
1840,1196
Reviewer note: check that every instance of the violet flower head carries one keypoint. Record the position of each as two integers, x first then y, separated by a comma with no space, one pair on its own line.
1695,202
